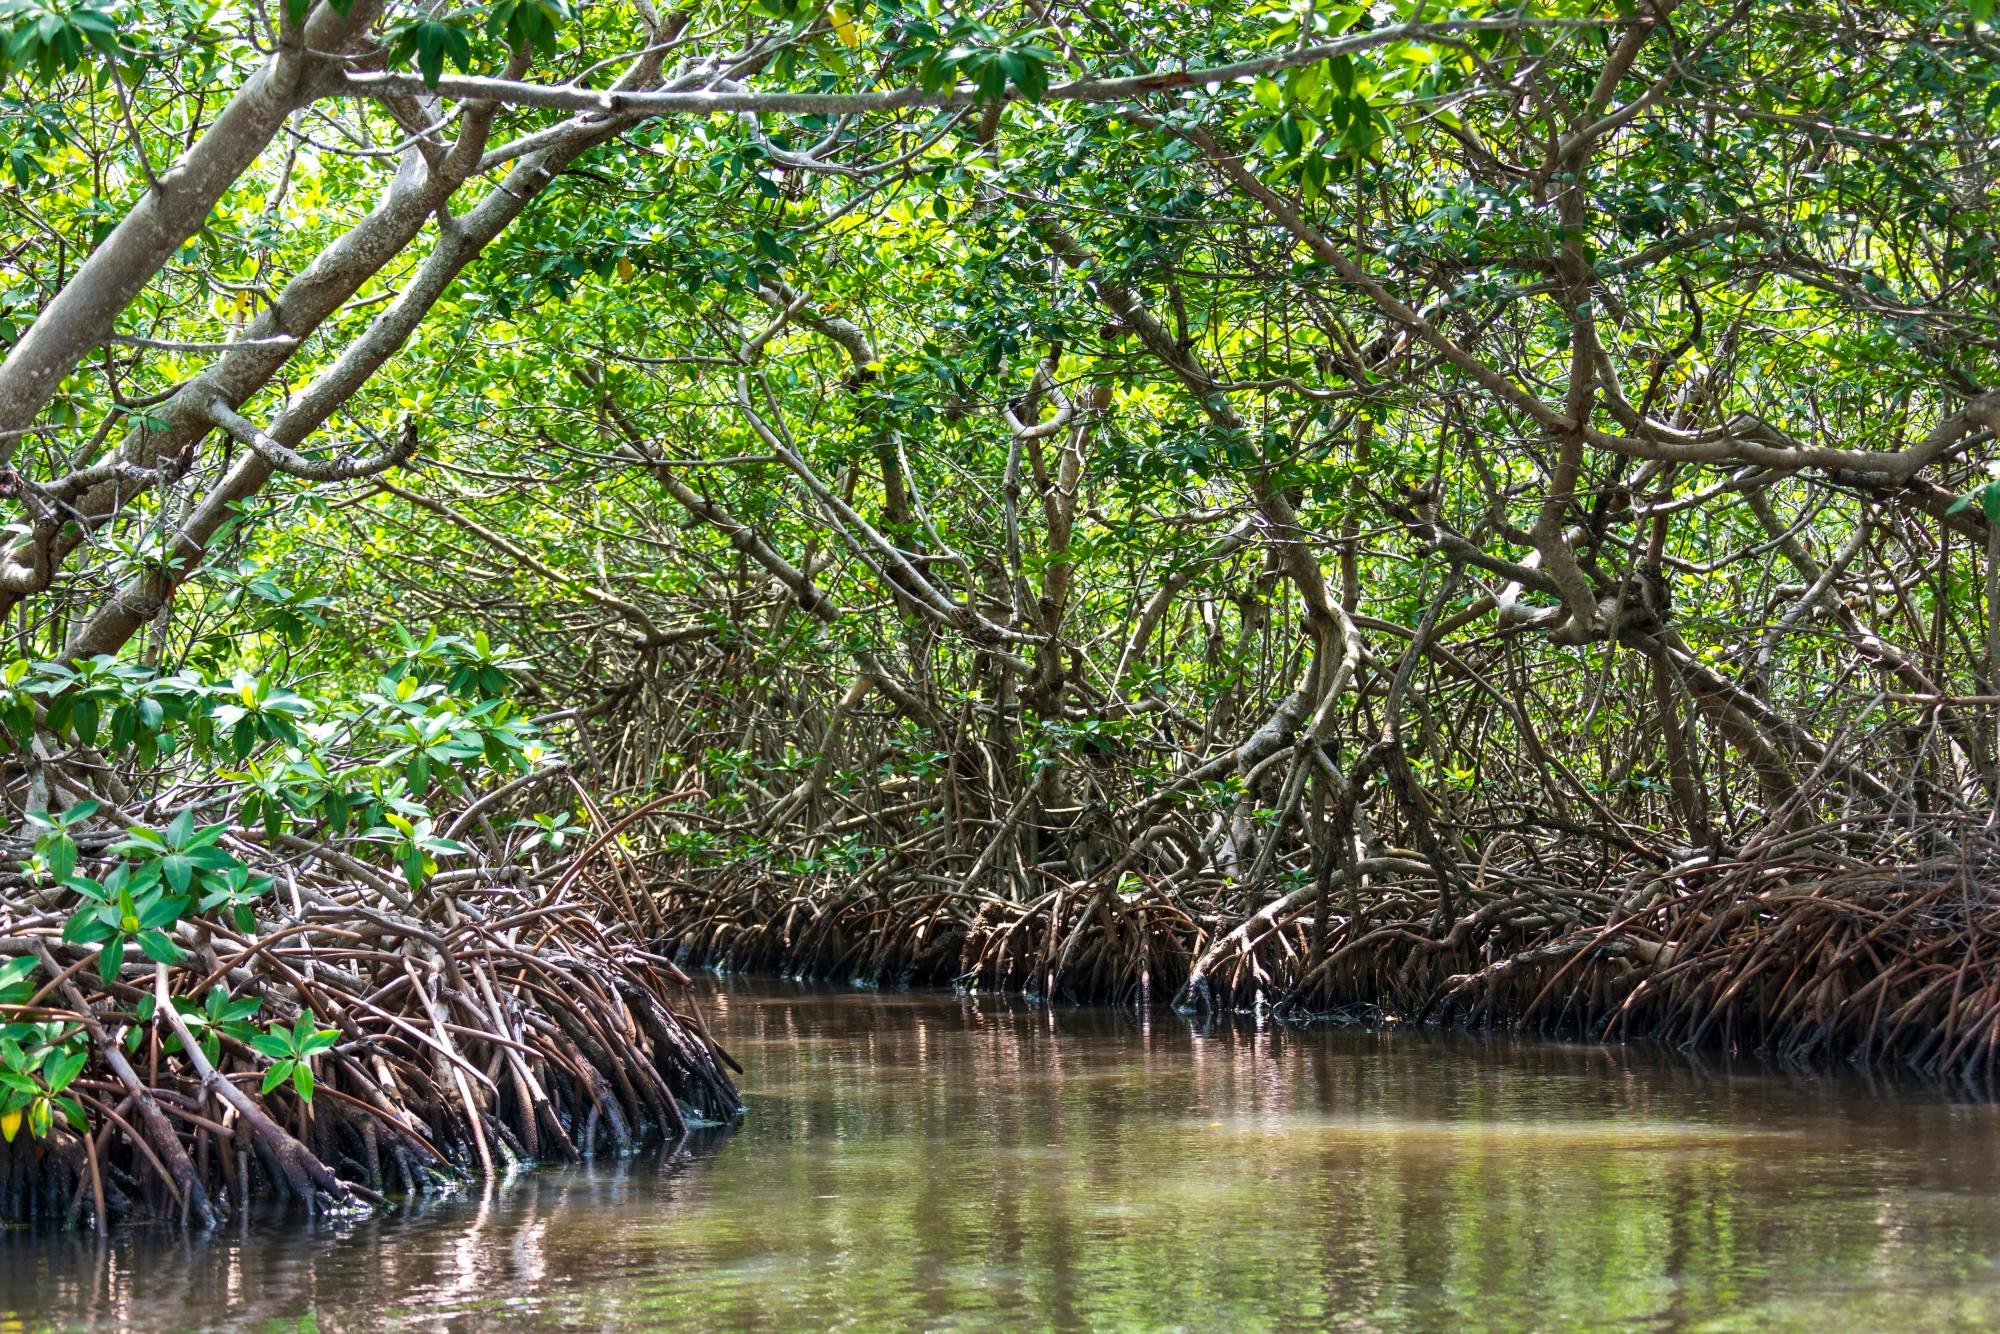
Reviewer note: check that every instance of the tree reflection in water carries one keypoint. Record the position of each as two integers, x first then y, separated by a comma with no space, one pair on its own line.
922,1161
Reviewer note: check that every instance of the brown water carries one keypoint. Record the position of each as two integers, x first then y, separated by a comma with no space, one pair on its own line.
917,1161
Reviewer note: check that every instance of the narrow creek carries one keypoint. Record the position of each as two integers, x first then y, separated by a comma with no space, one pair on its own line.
925,1161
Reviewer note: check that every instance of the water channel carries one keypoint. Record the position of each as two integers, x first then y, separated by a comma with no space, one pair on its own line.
921,1161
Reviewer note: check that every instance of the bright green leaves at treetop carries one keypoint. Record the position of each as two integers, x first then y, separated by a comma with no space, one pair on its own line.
530,24
49,38
433,39
945,53
430,42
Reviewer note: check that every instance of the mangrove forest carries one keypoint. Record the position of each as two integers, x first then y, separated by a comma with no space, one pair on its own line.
1476,516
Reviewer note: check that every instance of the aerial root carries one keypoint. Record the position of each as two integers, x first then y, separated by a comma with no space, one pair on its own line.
1801,957
484,1031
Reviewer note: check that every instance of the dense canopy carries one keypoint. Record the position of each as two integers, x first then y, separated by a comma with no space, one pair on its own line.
1477,509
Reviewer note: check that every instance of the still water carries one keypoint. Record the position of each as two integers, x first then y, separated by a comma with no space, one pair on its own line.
928,1162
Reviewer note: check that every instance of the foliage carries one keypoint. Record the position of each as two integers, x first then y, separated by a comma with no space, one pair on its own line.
988,463
291,1051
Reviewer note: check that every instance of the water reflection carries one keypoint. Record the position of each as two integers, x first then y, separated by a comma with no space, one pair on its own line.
926,1162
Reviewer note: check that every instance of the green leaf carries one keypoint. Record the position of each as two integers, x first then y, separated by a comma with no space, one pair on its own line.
141,841
60,855
274,1045
86,926
17,979
162,912
111,958
63,1069
434,42
158,948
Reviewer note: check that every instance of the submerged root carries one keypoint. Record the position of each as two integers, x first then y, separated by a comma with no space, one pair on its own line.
1068,944
478,1028
1802,956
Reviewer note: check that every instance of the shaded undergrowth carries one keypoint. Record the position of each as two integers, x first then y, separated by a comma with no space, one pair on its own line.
1793,953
